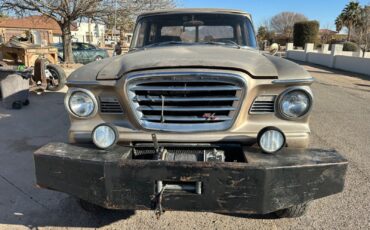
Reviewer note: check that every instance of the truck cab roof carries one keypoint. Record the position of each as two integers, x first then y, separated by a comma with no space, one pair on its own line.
194,10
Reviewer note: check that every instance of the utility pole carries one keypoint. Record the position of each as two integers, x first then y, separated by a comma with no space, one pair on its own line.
115,21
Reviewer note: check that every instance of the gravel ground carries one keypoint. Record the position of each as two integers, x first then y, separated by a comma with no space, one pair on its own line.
340,120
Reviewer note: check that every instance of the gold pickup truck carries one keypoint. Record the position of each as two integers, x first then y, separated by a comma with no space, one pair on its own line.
193,118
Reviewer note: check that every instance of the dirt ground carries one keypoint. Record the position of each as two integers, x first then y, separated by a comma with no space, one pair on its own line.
340,120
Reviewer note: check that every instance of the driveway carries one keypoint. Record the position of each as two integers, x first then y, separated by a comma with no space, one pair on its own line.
341,120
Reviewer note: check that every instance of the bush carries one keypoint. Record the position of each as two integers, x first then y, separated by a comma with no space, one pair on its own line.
350,46
305,32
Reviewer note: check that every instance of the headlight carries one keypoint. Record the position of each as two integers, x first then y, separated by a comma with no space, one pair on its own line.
105,136
81,103
271,140
295,103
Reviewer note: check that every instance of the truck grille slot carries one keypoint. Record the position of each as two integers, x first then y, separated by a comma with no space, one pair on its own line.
110,105
186,103
263,104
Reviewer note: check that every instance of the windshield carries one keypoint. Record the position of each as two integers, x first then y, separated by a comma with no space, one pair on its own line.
194,29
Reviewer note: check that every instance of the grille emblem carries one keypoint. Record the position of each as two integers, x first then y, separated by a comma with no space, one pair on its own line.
210,116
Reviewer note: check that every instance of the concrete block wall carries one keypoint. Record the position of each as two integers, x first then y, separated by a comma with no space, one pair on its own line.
336,58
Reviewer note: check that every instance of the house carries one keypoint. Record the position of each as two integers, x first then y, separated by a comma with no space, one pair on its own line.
49,29
326,35
92,33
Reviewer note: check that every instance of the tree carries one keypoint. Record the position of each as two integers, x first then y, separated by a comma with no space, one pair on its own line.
64,12
306,32
362,30
262,33
349,18
127,11
283,23
265,36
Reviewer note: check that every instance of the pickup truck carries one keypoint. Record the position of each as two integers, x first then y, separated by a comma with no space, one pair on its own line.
193,118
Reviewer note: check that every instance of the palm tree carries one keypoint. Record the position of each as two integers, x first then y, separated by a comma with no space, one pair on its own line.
349,17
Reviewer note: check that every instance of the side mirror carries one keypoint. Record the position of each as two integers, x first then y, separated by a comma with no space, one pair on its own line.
274,48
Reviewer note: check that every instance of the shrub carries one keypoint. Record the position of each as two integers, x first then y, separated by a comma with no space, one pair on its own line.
305,32
350,46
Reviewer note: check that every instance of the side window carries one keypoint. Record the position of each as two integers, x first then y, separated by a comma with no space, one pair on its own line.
91,47
152,34
251,35
75,46
141,34
84,46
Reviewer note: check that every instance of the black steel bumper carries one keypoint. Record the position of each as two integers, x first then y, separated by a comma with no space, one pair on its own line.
264,184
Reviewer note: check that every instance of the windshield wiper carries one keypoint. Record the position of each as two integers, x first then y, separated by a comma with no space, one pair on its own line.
165,43
223,43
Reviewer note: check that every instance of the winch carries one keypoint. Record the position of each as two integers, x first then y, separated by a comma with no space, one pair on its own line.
179,152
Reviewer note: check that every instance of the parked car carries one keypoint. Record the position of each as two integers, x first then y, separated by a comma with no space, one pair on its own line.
110,43
193,118
83,52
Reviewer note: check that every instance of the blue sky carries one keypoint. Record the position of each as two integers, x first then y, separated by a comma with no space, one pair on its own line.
324,11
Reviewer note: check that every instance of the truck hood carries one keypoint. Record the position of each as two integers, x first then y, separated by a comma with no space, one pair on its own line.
204,56
252,62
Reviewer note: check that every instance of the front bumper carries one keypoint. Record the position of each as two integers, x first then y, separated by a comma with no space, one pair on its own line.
263,184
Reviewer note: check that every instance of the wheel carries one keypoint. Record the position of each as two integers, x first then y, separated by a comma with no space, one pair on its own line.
90,207
56,77
292,212
26,102
17,105
98,58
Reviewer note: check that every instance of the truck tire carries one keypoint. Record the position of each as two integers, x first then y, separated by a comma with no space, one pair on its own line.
292,212
90,207
17,105
59,77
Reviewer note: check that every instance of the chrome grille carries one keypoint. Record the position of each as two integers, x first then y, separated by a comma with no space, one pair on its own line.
263,104
186,102
110,105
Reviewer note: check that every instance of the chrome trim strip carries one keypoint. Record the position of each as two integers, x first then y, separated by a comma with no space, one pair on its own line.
107,103
93,83
294,81
262,103
183,118
182,99
185,109
189,88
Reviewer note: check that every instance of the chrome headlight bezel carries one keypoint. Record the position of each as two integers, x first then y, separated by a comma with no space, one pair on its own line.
71,92
280,99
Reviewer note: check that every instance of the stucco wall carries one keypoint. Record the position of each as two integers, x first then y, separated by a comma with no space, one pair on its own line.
320,59
353,64
336,58
298,55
